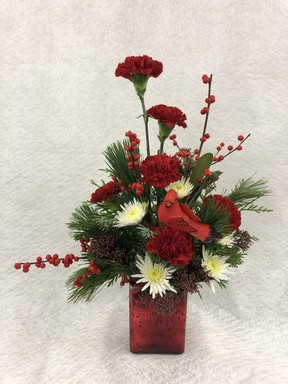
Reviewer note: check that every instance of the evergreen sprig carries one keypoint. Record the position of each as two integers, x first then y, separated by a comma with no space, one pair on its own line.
211,214
87,221
246,192
116,160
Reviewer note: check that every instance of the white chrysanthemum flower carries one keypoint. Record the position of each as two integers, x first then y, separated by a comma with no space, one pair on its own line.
227,240
216,266
182,187
155,275
132,213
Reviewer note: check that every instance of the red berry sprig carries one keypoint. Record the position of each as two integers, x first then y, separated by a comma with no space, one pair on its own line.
174,141
137,187
230,148
132,157
55,260
124,280
120,183
92,269
210,99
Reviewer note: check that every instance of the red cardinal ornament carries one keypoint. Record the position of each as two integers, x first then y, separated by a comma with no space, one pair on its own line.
179,216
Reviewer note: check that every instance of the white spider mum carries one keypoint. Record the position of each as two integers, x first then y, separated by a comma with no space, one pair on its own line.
227,240
182,187
155,275
216,266
131,213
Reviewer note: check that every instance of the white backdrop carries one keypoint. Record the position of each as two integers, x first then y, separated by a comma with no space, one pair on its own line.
61,105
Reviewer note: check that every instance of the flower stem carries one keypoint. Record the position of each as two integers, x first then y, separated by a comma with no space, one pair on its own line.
207,115
145,118
161,147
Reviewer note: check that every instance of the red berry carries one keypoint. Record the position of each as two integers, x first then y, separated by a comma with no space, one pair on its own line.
25,270
239,148
207,172
230,147
172,137
222,144
57,262
205,79
204,110
39,259
199,179
43,265
55,256
207,135
240,137
197,157
48,257
17,266
76,258
203,139
219,148
210,99
26,265
221,158
196,151
175,143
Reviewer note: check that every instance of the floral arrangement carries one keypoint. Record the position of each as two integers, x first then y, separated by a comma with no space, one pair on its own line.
158,221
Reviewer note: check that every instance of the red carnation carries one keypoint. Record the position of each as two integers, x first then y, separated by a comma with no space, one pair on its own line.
104,192
141,65
175,247
160,170
170,115
227,204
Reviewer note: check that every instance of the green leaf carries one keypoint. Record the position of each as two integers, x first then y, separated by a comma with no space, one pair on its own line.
201,164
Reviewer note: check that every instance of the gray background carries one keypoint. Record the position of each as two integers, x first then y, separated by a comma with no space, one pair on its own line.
61,105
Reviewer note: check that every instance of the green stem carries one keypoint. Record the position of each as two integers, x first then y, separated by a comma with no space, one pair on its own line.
145,118
161,147
207,115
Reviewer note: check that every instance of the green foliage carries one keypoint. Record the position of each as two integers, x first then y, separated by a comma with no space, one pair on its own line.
246,192
116,160
235,255
201,164
88,220
92,285
203,189
211,214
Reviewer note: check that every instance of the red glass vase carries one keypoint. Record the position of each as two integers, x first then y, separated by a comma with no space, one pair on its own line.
157,325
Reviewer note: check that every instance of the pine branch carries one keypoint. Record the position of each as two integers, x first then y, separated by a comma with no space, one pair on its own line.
235,255
116,160
246,192
211,214
93,284
89,220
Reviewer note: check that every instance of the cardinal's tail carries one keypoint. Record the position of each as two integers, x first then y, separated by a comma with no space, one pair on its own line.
208,236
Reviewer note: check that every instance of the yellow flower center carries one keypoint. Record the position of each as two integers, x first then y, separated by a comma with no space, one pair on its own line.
155,274
213,266
132,212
